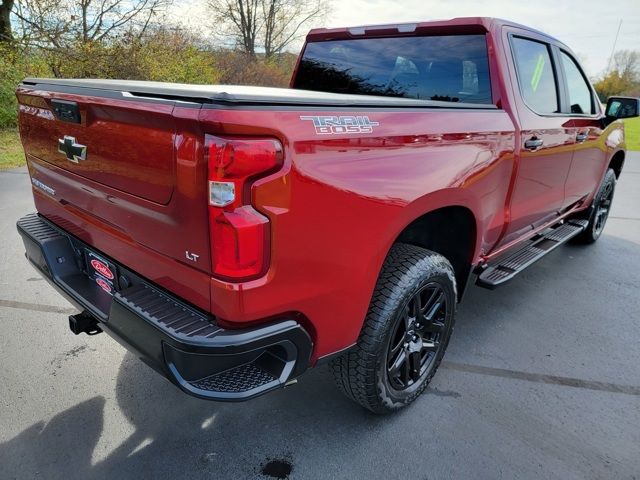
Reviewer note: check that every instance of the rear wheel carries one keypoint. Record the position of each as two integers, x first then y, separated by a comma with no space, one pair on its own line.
405,333
599,213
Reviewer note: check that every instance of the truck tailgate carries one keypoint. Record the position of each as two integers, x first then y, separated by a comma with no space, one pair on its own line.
127,146
128,177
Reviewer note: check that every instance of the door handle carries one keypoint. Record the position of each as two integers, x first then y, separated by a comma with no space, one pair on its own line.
581,137
533,143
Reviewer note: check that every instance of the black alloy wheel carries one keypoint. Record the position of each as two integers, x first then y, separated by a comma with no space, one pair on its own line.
416,339
600,209
603,207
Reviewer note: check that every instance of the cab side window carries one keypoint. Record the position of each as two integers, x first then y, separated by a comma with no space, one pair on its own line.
536,77
580,98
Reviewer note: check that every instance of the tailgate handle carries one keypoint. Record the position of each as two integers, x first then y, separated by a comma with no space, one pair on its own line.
66,111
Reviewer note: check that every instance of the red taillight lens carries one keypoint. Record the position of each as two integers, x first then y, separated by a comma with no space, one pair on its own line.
240,235
240,243
235,162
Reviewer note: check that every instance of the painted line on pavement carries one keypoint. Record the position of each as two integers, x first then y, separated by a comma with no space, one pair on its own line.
36,307
543,378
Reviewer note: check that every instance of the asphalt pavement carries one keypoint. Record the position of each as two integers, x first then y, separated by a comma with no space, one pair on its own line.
541,380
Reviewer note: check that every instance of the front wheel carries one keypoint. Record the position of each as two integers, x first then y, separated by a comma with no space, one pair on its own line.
405,334
601,206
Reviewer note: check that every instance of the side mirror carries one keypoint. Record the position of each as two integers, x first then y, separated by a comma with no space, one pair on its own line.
622,107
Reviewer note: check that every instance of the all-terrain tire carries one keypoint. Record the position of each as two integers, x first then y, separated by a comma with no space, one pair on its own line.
362,373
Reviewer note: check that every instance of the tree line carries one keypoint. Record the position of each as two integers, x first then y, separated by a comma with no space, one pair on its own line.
140,40
623,78
252,25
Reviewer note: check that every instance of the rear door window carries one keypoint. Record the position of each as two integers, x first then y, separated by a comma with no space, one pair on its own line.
452,68
536,77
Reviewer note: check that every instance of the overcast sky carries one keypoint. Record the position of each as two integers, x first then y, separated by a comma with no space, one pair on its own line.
587,26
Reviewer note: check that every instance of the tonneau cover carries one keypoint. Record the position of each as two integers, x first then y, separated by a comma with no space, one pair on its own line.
235,94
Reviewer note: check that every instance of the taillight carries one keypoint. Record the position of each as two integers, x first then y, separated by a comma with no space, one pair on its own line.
240,235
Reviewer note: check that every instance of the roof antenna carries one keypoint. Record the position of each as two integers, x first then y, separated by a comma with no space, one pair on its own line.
614,48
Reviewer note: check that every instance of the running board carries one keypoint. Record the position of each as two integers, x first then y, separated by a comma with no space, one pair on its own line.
508,267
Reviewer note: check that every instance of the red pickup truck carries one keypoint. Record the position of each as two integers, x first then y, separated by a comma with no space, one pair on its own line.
234,237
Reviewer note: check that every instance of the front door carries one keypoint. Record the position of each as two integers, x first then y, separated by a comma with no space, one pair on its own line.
589,156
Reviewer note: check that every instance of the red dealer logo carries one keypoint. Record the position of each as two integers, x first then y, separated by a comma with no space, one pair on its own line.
103,285
102,269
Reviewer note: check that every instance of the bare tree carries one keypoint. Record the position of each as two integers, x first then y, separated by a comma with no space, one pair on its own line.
238,19
268,24
63,23
284,21
627,64
5,20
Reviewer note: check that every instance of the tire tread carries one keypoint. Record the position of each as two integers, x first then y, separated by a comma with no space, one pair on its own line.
355,371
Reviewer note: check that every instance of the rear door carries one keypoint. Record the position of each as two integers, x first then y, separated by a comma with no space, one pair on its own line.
547,137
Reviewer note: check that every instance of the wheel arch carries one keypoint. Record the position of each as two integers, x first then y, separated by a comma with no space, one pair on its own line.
451,231
617,162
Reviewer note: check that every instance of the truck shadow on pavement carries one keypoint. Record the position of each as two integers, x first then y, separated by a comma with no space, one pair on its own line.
174,436
169,435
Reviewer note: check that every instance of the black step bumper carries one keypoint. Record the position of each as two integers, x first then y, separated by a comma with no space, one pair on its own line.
181,342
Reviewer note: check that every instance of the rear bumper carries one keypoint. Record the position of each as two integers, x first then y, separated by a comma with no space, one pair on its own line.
181,342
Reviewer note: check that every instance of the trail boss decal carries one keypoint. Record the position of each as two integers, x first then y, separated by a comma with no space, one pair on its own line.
330,125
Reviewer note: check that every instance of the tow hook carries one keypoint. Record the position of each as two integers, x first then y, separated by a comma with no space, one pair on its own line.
84,323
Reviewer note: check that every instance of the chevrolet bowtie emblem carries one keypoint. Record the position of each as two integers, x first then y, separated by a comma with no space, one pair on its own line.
72,150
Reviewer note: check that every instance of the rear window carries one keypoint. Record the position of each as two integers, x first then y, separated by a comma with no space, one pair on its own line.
452,68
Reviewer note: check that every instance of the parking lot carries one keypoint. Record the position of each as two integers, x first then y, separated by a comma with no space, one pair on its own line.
541,380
